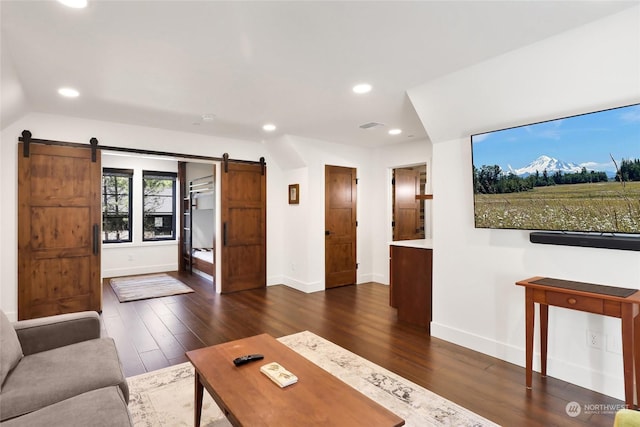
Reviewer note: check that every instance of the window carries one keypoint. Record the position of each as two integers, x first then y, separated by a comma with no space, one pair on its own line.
116,205
159,205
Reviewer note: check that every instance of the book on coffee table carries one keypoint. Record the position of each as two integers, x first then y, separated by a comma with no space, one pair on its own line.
278,374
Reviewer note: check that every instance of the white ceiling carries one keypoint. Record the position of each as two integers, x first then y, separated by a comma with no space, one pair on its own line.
165,63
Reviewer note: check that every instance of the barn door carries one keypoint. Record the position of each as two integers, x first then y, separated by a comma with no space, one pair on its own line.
58,231
243,199
340,226
406,209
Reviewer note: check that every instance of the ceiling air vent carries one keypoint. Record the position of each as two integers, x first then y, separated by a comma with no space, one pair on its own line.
370,125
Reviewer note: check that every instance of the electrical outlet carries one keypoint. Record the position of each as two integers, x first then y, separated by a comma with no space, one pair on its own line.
594,339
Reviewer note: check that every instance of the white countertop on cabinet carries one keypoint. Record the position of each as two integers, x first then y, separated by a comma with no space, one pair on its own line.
419,244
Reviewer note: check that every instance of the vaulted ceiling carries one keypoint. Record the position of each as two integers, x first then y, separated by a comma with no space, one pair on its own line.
165,64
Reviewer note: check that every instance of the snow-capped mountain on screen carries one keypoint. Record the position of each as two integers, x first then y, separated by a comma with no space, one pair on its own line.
547,163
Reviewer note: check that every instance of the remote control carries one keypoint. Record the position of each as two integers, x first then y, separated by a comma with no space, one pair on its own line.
246,359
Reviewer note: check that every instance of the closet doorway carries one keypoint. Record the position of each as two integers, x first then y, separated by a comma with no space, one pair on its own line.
198,218
408,222
223,223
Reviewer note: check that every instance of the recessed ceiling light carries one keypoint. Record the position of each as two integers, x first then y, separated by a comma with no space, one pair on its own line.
68,92
269,127
395,131
208,117
76,4
362,88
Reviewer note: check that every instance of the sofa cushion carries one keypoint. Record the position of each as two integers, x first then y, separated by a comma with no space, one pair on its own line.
10,349
104,407
44,378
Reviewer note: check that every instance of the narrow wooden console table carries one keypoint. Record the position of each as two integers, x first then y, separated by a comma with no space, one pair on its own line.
622,303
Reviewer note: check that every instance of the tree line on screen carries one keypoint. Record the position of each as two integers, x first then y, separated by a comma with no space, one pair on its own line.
492,180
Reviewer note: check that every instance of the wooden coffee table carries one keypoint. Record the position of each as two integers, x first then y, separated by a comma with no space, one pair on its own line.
248,398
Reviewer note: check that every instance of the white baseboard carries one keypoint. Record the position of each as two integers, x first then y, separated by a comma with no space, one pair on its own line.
302,286
582,376
275,280
11,315
379,278
132,271
364,278
202,274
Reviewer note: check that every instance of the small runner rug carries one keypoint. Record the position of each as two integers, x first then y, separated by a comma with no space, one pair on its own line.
165,397
134,288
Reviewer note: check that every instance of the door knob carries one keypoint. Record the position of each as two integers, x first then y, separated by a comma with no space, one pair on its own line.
327,232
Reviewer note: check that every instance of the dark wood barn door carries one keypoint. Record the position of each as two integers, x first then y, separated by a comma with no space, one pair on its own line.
59,222
340,226
244,216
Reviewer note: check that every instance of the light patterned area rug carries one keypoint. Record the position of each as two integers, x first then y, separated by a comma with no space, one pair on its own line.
134,288
165,397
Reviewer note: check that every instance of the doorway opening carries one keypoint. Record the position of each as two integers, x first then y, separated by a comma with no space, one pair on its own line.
340,226
198,219
408,220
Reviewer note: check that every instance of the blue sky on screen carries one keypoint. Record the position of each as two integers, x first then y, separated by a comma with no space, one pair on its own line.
588,139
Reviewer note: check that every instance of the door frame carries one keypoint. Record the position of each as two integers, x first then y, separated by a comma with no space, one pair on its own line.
355,232
389,203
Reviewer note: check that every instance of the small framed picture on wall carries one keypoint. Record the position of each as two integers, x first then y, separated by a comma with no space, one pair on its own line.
294,194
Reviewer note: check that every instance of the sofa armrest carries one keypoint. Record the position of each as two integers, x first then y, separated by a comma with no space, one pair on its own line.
51,332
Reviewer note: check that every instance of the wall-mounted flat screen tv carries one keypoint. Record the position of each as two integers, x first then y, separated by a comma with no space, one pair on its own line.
574,174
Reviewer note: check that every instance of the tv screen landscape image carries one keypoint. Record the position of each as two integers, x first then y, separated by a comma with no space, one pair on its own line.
574,174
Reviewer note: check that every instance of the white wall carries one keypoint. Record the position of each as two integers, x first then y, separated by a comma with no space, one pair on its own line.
385,159
303,224
139,257
13,103
475,301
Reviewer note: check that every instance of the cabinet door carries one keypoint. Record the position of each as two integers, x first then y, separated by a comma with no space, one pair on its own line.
411,284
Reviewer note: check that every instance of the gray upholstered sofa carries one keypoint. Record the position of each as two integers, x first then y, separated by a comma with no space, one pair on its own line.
57,370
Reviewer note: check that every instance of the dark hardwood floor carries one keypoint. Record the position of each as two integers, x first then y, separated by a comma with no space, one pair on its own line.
155,333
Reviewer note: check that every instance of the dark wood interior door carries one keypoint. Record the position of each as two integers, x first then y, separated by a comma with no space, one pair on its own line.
243,213
340,226
58,231
406,209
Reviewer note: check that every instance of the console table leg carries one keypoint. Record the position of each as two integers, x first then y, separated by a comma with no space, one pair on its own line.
636,351
199,390
628,352
529,321
544,328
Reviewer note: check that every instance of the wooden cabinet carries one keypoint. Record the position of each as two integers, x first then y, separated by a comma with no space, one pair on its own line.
410,284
